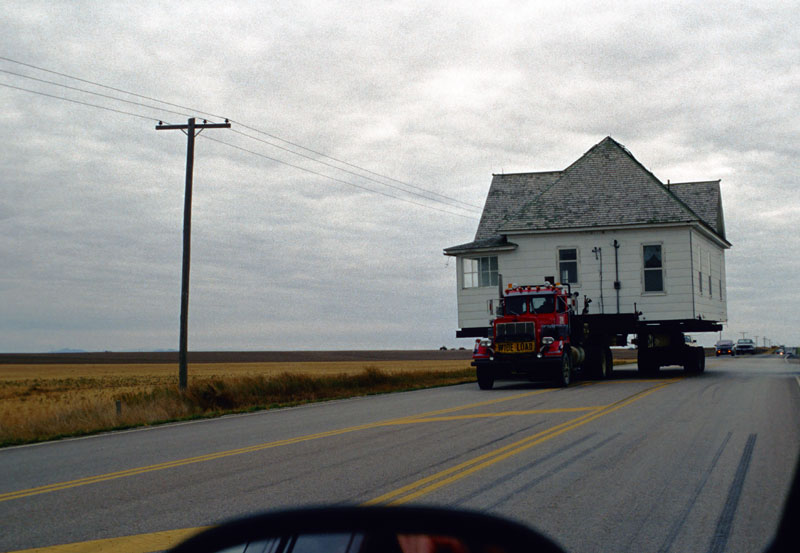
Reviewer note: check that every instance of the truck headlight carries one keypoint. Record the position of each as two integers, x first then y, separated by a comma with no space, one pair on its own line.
547,340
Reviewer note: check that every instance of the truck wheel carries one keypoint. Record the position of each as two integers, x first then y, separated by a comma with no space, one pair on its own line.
564,376
609,361
598,363
695,361
485,378
691,362
647,365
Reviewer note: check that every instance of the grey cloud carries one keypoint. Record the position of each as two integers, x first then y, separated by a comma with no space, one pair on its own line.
434,95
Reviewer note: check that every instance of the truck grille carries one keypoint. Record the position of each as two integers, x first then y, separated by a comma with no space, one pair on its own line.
515,332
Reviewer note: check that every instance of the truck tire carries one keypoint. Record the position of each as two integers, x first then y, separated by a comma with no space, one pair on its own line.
485,378
609,361
648,365
597,363
695,361
690,361
564,376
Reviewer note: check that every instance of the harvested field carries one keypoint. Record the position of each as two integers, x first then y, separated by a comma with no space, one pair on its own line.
44,396
48,400
128,357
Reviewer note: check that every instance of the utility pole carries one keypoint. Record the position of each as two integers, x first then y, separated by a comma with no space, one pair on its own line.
188,129
743,334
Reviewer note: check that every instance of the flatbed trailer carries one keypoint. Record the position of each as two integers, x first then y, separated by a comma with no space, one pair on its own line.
540,335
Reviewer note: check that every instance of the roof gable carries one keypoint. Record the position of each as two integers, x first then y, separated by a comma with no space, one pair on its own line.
705,199
606,186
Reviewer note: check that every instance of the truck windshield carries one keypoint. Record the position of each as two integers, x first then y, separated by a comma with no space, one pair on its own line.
543,304
522,305
516,305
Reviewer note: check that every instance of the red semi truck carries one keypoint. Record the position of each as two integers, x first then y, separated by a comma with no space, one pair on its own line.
539,334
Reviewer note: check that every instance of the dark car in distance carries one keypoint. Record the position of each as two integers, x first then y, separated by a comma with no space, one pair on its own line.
725,347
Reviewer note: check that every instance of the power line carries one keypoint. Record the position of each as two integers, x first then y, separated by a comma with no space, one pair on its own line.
107,87
350,164
149,118
94,93
344,170
79,102
237,132
259,154
244,125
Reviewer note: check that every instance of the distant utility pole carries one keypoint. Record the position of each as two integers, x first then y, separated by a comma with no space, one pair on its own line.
743,334
188,129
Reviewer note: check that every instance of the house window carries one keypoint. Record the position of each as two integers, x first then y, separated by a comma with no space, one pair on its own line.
479,272
568,265
700,280
710,294
653,268
719,282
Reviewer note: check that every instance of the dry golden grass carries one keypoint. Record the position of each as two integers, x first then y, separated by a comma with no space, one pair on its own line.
39,402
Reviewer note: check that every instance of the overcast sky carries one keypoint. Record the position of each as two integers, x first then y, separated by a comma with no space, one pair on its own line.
436,95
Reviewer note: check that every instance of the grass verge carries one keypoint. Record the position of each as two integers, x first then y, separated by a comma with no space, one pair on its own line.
30,415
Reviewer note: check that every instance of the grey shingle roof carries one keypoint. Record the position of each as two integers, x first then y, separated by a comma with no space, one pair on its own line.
507,195
703,198
606,186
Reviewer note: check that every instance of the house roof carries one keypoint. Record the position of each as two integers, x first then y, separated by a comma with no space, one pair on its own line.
705,199
605,187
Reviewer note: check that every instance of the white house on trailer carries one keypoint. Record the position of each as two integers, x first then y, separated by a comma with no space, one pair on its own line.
608,227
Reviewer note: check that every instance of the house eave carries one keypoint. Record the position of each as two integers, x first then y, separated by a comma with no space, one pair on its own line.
456,251
713,236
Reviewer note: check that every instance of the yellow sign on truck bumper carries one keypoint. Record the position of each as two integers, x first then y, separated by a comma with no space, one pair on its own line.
516,347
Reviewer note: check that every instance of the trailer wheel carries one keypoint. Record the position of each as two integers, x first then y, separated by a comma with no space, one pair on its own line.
485,378
564,376
597,363
609,361
648,365
690,363
695,361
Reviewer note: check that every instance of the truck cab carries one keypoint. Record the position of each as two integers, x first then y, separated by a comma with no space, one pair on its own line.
531,336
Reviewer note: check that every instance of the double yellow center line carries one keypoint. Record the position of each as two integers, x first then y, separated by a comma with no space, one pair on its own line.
422,417
157,541
433,482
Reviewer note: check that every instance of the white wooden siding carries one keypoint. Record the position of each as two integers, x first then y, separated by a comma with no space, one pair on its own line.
709,258
683,251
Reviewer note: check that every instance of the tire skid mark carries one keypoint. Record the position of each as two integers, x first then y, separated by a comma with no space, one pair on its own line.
722,532
555,470
446,477
678,524
538,461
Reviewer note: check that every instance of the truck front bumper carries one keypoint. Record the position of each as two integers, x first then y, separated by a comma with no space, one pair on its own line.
529,366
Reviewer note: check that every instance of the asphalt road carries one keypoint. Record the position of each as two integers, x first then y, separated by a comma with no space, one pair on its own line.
662,464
